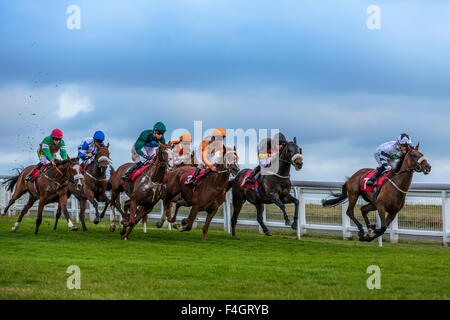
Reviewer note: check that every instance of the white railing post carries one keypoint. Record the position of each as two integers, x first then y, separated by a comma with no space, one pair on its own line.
380,238
445,217
393,235
227,212
74,207
299,194
346,233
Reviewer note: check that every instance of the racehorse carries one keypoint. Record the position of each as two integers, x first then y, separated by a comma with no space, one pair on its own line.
51,186
146,190
390,199
94,188
272,188
207,195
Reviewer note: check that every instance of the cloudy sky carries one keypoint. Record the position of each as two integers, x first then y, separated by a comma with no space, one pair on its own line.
311,69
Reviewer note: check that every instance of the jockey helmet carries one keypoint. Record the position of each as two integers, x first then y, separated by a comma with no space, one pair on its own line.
219,132
99,135
57,134
404,140
159,126
186,137
280,138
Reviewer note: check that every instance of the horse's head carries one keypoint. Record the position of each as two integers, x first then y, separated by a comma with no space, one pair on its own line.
163,154
416,161
231,160
71,170
102,157
292,153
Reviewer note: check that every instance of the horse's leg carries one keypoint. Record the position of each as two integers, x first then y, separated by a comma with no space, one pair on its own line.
237,207
39,214
167,204
25,209
63,204
106,200
382,230
211,214
189,221
58,214
125,218
365,211
259,217
83,204
351,214
141,212
291,199
281,205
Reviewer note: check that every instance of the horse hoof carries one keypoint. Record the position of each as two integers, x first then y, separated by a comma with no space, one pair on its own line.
159,224
370,233
112,228
74,229
125,239
267,233
183,222
96,221
294,226
13,229
288,223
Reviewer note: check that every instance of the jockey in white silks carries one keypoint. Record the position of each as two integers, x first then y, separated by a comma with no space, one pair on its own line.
390,156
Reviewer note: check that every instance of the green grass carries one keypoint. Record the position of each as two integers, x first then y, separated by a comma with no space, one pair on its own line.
166,264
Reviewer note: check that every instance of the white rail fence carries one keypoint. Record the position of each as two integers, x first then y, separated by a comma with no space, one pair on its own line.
426,214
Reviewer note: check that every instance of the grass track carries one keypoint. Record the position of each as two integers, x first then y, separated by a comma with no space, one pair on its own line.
166,264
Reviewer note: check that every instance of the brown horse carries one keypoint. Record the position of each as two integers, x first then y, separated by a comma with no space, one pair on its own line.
51,186
207,195
390,199
146,190
273,188
94,188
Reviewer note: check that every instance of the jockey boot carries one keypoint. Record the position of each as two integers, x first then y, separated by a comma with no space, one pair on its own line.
135,166
30,176
252,175
376,174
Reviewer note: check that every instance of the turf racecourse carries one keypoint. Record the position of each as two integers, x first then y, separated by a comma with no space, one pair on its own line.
166,264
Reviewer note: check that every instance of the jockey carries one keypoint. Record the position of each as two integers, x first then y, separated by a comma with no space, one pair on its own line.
182,150
205,152
146,146
48,149
390,155
87,149
268,149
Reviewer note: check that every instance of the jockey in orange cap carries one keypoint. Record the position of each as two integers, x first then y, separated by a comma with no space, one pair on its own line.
182,150
205,152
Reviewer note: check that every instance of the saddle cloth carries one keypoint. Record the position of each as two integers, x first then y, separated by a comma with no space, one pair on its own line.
136,173
37,172
252,184
200,175
378,183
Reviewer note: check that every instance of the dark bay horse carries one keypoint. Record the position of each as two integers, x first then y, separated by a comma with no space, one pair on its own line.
51,186
273,188
208,195
94,189
390,199
146,191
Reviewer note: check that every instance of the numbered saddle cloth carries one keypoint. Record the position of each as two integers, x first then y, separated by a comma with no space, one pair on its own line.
378,183
202,174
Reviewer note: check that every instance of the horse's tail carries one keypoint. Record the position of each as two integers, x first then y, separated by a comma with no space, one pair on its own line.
11,182
338,197
109,184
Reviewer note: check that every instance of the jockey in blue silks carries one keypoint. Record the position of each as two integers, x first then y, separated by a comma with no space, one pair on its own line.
87,148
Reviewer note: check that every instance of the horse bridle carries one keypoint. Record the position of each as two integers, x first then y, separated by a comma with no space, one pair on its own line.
418,167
